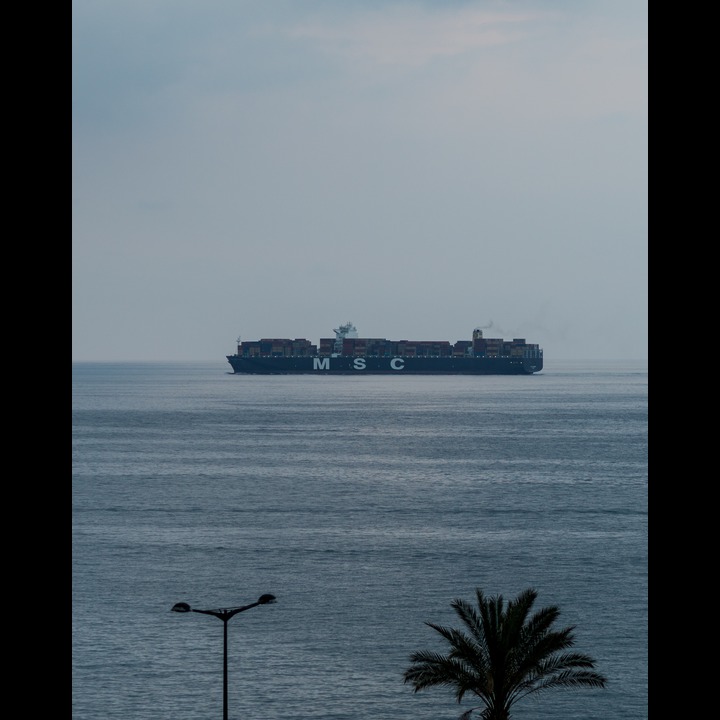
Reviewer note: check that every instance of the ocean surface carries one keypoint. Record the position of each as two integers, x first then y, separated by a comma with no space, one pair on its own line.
366,505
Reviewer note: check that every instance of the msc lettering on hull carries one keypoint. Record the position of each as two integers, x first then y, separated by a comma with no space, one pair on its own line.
357,364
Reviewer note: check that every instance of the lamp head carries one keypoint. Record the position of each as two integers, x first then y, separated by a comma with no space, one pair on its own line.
180,607
266,599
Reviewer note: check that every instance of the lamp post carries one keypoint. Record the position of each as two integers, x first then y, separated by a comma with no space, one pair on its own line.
225,614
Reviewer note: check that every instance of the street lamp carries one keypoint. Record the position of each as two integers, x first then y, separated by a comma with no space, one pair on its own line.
225,614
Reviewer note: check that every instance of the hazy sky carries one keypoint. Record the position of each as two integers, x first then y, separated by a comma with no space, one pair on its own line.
274,168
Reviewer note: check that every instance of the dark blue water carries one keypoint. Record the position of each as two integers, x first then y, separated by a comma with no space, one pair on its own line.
365,504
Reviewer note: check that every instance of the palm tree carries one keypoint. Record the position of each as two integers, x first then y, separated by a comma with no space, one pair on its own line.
503,655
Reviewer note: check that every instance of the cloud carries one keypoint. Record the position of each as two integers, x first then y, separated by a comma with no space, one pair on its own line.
413,37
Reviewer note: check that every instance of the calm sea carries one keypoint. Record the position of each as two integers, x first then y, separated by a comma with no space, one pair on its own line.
365,504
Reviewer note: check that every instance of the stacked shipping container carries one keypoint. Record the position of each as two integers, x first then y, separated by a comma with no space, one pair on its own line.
381,347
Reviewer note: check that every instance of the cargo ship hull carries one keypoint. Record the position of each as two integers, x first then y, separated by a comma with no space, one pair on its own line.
385,365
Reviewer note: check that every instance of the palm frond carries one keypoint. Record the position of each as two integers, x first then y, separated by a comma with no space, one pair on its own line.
534,647
431,668
569,679
470,618
467,647
565,663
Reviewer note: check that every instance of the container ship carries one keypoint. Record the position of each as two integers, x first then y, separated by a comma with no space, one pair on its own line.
348,354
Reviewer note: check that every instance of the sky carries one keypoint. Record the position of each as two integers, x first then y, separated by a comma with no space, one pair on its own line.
276,168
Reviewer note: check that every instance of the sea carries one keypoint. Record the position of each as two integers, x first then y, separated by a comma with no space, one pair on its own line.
365,505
